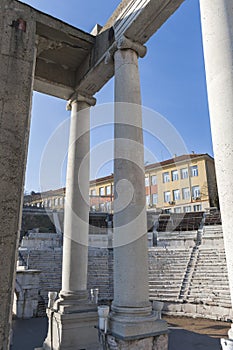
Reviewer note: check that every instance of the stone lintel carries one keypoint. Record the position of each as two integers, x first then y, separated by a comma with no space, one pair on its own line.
81,62
138,26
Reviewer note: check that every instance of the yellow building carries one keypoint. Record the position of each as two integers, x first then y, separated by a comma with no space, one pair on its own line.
180,184
53,199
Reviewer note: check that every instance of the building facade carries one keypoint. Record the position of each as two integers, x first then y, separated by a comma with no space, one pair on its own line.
180,184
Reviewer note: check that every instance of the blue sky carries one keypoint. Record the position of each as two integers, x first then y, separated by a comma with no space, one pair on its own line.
172,82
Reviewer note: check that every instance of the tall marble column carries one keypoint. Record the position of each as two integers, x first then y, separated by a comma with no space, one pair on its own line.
132,319
74,318
217,32
76,220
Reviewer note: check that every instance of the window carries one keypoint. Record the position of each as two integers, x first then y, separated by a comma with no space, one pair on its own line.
56,202
166,177
187,209
93,208
102,207
38,205
177,210
176,195
197,207
60,200
194,170
108,189
175,175
148,200
49,203
147,181
108,206
153,180
185,193
184,173
195,191
93,192
154,198
101,191
45,203
167,196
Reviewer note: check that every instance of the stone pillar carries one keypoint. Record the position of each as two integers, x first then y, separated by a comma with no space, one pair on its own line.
17,63
217,32
132,321
75,316
76,220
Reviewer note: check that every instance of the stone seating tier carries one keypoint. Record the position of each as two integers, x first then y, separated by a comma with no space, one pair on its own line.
179,222
213,218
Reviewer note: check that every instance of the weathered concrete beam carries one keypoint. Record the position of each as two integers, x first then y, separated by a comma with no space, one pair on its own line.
137,20
61,49
50,76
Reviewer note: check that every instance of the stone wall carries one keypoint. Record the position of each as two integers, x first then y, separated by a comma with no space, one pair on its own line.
37,218
43,251
100,272
26,293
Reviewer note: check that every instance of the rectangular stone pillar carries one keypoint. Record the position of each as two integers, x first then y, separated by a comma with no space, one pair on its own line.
17,61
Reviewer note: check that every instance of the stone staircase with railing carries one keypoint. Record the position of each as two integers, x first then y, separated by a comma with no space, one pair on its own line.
209,283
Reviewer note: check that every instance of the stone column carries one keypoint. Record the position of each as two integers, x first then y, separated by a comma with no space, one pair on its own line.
217,32
76,220
132,316
75,317
17,65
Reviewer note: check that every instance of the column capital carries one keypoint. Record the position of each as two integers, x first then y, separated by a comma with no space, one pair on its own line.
77,97
124,43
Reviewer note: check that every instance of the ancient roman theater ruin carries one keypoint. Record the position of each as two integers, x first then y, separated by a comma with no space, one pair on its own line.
45,54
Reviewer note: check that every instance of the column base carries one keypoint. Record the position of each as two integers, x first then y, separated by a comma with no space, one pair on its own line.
159,342
227,344
72,326
133,331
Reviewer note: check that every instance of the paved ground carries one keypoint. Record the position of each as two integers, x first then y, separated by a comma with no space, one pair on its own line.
29,334
185,333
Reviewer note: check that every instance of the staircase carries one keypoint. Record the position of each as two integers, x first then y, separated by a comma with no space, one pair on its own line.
188,274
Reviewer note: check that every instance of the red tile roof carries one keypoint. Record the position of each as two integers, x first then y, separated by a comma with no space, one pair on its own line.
174,160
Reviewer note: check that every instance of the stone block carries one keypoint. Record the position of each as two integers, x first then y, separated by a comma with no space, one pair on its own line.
159,342
172,307
189,308
73,331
